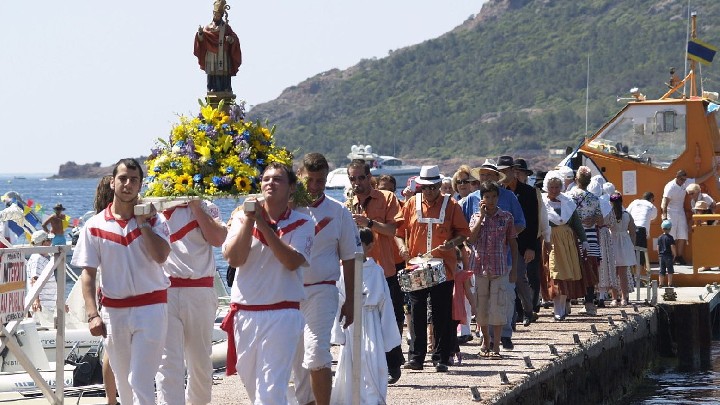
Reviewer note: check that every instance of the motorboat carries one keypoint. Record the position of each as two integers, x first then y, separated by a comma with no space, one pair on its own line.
647,142
379,165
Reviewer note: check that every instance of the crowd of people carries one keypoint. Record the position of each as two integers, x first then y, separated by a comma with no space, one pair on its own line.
497,247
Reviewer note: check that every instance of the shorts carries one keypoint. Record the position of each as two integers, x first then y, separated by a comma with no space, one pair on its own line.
666,265
492,300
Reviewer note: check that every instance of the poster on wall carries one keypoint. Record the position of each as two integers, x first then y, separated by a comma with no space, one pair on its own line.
12,286
629,182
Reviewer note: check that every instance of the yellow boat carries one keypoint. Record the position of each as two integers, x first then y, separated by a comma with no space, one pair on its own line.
644,145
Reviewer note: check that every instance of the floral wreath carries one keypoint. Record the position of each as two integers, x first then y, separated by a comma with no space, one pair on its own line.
217,153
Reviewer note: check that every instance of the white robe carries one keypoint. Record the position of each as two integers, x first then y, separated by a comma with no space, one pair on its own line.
379,335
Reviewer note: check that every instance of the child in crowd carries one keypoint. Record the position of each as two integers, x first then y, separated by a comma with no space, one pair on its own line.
492,234
666,253
379,335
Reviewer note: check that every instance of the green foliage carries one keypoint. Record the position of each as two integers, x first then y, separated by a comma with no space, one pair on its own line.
513,82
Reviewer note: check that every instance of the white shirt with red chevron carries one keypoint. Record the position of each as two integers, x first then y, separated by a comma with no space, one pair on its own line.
191,256
263,280
336,238
118,246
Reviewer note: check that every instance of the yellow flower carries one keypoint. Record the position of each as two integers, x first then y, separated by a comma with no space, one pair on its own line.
243,184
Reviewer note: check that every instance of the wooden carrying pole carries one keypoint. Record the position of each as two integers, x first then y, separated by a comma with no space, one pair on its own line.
357,340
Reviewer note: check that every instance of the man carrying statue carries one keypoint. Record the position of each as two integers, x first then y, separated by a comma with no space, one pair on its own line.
217,48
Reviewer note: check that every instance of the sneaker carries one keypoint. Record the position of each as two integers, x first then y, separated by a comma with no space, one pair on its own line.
394,375
441,368
413,365
507,343
526,321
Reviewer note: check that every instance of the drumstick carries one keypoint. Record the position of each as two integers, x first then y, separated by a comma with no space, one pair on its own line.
426,254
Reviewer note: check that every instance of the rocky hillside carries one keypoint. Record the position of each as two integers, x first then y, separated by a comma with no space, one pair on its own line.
511,79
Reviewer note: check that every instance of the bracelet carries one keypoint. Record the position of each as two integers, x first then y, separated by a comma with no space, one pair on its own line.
90,318
144,225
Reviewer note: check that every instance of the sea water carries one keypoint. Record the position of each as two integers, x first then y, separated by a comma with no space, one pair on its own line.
78,196
661,386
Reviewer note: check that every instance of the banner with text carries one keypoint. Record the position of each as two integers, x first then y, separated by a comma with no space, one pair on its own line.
12,286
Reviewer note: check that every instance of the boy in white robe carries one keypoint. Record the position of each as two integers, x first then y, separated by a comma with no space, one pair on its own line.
379,335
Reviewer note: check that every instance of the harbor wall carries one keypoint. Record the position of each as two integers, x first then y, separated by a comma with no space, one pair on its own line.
609,366
599,371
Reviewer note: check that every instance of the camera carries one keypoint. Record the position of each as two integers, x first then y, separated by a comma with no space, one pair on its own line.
142,209
249,205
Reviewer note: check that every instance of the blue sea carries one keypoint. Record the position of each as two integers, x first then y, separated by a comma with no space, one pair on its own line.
662,385
77,196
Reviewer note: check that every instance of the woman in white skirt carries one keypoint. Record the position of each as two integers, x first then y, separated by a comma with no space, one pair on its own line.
622,228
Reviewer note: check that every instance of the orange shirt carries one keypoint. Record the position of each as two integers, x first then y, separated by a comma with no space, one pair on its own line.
382,206
454,225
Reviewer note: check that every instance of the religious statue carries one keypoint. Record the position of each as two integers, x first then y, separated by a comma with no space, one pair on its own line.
217,48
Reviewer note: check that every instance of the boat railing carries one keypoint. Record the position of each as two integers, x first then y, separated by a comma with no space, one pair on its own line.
647,277
57,264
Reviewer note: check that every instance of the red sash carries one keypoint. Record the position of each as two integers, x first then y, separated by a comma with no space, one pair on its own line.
192,282
155,297
228,325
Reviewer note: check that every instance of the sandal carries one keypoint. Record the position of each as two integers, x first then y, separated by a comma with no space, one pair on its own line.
484,352
496,356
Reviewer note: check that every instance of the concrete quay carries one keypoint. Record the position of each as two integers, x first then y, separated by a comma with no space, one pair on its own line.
594,359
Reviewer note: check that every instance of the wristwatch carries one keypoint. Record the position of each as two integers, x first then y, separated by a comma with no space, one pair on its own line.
370,223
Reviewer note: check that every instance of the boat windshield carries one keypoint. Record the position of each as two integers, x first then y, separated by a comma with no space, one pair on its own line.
650,134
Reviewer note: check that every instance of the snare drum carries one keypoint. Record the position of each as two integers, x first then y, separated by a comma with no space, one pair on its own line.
422,274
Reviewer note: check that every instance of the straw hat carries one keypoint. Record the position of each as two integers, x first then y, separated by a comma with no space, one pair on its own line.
488,167
701,205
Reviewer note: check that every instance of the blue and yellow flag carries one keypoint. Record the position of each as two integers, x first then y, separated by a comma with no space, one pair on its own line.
700,51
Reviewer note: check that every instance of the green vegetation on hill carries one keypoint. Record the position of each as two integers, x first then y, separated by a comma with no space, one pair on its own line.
512,78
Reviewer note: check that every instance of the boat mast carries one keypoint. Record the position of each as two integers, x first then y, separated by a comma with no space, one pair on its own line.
693,35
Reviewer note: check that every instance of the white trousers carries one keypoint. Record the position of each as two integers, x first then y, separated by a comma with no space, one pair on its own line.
313,352
265,341
191,315
135,340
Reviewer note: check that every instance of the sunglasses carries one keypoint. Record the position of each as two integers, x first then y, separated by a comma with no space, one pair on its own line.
464,182
430,187
362,177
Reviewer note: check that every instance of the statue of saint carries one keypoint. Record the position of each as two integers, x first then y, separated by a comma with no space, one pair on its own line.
217,48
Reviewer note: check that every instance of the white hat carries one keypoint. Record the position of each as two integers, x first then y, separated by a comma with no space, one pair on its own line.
429,175
38,237
608,188
488,167
566,172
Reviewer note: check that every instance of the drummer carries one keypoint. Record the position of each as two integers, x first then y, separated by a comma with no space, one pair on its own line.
435,224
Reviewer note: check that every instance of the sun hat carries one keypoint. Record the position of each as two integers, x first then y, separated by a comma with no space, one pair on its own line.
505,162
701,205
566,172
608,188
488,167
38,237
59,207
429,175
522,165
666,224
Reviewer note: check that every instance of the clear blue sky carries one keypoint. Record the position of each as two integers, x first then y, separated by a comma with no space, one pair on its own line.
95,81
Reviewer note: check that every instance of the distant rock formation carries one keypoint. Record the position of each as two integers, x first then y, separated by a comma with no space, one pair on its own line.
72,170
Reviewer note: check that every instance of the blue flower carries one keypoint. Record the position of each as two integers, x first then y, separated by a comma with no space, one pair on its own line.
197,178
157,168
211,162
229,169
246,135
260,162
174,165
216,180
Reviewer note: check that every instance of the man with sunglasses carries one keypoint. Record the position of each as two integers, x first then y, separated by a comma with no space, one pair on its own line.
433,223
380,211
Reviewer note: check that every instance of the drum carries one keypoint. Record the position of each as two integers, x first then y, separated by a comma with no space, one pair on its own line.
421,274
